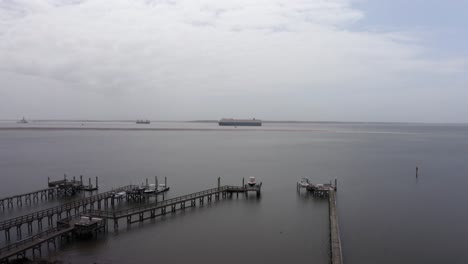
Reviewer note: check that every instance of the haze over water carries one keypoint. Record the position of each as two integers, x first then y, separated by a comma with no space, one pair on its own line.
386,214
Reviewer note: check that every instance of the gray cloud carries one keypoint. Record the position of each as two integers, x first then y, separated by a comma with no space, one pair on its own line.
180,59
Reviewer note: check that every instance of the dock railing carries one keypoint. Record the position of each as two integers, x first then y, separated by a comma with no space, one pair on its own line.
22,242
117,214
58,209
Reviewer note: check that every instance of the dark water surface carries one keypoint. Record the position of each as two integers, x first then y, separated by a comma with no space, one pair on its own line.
386,215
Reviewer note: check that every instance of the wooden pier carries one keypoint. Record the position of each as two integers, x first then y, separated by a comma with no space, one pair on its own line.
105,199
149,211
92,220
73,186
30,197
322,191
335,240
60,188
66,229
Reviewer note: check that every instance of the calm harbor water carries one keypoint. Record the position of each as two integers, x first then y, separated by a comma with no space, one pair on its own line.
386,215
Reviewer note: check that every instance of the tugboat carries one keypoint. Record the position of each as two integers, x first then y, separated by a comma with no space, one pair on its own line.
252,181
23,121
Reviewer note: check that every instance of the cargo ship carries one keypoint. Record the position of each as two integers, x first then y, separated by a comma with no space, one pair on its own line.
239,122
143,122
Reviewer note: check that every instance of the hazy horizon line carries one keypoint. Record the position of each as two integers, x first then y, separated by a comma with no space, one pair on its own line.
215,121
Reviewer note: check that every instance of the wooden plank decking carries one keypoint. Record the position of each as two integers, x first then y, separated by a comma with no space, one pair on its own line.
335,240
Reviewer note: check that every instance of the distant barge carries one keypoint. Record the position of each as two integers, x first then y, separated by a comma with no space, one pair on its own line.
239,122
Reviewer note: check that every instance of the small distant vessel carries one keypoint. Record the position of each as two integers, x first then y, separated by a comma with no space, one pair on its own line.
252,181
23,121
143,122
304,182
239,122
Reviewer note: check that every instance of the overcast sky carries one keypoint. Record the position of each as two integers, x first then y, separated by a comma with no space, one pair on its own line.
341,60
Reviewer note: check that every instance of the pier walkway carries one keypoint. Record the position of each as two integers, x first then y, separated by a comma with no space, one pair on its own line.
75,206
75,226
322,191
149,211
79,224
29,197
335,240
35,242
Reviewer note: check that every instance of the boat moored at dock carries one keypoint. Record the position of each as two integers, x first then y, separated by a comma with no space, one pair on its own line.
252,181
162,188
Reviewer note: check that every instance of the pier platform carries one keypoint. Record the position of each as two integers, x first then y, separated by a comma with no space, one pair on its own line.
85,225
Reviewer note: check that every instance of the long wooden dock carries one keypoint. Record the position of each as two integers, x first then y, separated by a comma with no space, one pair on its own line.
59,188
71,208
71,227
37,195
335,240
322,191
149,211
19,248
98,217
